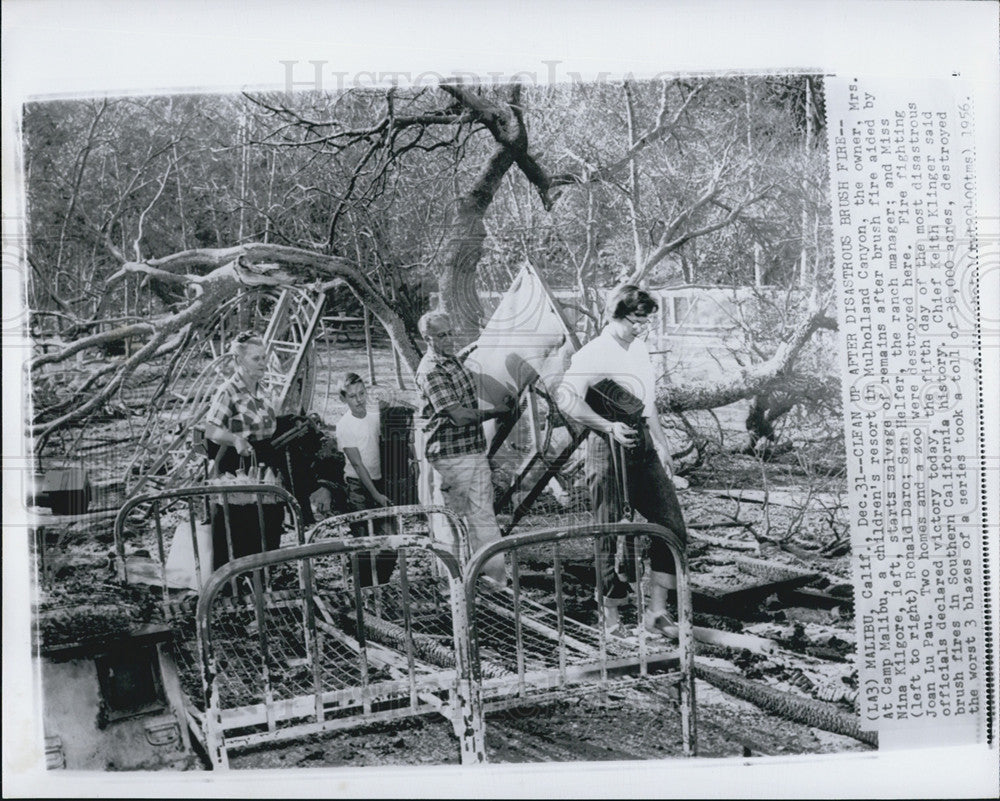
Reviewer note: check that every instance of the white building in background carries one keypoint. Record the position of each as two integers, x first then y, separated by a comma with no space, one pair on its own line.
697,327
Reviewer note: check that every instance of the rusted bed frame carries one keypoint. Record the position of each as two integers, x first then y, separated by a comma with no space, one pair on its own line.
287,643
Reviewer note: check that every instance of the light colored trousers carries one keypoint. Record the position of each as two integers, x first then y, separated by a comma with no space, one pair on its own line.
465,485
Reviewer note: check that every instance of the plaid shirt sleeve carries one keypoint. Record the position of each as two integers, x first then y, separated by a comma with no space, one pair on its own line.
240,412
446,384
221,409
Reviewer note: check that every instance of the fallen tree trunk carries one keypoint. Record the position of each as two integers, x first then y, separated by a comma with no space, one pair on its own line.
255,264
752,380
800,710
230,270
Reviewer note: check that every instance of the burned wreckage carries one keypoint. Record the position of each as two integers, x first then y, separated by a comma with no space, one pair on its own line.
302,639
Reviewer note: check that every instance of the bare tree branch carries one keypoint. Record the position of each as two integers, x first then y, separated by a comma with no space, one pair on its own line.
142,216
93,341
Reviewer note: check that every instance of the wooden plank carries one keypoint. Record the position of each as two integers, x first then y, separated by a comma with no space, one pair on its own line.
764,578
728,639
808,597
724,542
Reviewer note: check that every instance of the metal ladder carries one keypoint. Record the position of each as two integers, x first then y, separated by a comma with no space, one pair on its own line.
287,340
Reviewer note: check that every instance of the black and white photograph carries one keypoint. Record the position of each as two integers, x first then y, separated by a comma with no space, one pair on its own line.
389,419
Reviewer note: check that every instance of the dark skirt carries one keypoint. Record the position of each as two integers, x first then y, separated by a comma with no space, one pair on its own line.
245,519
245,530
650,492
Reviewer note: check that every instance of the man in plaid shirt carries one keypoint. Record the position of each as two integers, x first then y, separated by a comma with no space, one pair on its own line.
455,444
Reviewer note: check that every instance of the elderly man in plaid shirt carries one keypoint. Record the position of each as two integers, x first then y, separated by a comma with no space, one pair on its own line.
455,443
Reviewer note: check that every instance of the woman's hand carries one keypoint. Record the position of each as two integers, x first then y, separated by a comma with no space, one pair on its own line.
381,499
624,434
321,500
242,445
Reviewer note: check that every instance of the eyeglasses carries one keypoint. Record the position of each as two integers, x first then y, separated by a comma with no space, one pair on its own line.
246,336
640,321
442,334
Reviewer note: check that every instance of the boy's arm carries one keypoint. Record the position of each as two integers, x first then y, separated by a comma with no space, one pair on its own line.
365,477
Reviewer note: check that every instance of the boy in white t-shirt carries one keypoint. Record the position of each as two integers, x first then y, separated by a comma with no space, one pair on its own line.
358,435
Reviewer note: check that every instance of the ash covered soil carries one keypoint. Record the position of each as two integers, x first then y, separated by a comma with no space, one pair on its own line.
639,722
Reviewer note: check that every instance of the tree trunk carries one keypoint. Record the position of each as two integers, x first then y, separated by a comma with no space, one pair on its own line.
633,179
368,346
758,272
805,277
750,381
464,248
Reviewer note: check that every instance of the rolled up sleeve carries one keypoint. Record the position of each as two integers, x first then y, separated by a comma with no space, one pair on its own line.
220,410
440,391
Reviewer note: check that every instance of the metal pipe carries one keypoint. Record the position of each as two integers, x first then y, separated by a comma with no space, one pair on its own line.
560,613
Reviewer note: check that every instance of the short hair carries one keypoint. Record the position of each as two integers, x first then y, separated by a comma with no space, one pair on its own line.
244,341
349,380
431,318
629,299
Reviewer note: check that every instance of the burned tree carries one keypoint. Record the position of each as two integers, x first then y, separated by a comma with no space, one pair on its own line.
380,191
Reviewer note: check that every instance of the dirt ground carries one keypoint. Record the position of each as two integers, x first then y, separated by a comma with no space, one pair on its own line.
813,660
634,723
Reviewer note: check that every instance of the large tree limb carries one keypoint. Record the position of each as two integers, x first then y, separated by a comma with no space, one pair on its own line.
750,380
258,263
105,369
506,123
93,341
464,247
229,270
193,312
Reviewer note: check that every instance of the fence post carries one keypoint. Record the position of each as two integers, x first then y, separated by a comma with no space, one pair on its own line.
467,716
